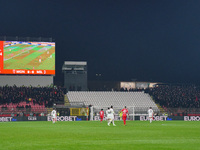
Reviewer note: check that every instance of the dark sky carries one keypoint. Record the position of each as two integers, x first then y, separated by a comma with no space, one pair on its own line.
147,40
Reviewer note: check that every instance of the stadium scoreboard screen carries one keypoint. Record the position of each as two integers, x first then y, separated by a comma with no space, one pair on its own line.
33,58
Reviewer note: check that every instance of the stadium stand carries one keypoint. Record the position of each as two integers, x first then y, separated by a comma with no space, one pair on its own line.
176,96
177,99
15,99
117,99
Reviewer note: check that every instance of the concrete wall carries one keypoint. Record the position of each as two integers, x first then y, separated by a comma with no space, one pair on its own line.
25,80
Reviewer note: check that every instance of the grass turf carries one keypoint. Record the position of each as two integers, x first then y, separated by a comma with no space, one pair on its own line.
85,135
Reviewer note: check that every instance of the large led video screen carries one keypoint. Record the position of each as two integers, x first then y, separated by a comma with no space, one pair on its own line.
33,58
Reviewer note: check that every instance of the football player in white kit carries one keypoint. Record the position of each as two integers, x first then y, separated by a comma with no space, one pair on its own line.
109,116
113,113
150,112
53,114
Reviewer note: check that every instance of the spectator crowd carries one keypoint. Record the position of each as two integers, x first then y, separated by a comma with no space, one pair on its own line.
38,95
176,96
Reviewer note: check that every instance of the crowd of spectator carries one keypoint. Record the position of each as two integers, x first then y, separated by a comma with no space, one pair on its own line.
176,96
38,95
131,89
170,96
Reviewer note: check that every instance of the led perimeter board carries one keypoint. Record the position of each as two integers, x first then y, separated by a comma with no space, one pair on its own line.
33,58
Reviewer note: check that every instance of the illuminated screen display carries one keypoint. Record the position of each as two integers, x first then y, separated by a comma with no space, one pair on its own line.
27,58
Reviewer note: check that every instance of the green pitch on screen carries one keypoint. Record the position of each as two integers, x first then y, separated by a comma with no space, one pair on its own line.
22,56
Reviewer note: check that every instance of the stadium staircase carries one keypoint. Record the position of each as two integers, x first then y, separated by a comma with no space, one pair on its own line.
49,110
162,111
66,101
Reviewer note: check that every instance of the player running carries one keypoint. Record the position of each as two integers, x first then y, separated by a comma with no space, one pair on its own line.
113,113
150,112
124,116
53,114
108,114
101,115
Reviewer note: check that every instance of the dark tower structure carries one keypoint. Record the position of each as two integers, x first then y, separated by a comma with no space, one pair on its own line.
75,75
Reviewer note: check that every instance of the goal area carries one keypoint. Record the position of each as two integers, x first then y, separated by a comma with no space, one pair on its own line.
133,112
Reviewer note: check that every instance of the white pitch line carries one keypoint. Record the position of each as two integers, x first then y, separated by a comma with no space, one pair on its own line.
29,48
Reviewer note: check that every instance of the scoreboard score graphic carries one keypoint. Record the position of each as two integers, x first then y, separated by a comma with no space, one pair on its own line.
33,58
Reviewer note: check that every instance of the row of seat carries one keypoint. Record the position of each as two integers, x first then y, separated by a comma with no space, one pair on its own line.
24,104
12,107
136,99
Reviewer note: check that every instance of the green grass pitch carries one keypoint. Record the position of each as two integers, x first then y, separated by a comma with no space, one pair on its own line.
87,135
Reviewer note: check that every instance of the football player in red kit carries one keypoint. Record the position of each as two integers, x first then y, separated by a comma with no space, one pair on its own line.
124,116
101,115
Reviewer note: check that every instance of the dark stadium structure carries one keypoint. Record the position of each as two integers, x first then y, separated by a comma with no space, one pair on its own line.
75,75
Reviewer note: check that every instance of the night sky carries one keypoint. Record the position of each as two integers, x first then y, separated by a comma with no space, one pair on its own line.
147,40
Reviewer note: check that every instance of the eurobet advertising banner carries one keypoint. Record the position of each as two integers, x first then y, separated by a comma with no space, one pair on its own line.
141,118
63,118
41,118
156,118
191,118
5,119
33,58
29,118
96,118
